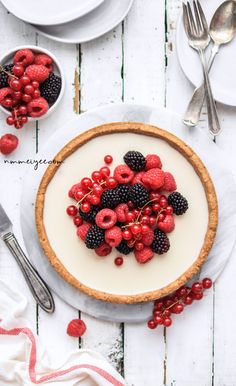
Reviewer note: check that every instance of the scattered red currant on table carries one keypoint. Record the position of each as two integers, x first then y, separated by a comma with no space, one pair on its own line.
175,303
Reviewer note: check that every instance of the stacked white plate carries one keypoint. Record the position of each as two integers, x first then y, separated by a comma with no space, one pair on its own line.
71,21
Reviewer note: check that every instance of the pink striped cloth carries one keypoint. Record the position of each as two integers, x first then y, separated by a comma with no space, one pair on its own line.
24,363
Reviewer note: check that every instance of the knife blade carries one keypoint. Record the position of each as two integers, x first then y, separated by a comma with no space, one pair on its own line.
38,287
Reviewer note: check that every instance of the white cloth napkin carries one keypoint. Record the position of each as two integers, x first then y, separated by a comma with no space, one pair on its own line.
23,362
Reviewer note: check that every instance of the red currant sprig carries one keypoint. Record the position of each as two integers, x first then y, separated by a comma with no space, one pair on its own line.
175,303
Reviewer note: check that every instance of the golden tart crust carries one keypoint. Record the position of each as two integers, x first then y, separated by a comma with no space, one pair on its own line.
175,142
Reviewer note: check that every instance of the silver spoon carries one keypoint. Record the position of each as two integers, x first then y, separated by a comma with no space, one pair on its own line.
222,30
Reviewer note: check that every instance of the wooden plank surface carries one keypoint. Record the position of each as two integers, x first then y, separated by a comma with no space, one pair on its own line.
136,63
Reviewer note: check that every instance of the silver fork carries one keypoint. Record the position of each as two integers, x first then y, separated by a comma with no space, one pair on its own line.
199,38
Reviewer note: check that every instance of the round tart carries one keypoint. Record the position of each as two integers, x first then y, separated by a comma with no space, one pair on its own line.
97,276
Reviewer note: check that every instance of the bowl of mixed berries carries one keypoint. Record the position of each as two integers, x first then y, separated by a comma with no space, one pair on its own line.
31,84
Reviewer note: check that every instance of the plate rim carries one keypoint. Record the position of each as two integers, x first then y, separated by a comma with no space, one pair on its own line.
88,38
144,129
67,20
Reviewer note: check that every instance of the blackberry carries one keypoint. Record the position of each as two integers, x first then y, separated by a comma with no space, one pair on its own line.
124,248
135,160
178,202
90,216
110,199
4,76
123,192
95,237
161,243
139,195
50,88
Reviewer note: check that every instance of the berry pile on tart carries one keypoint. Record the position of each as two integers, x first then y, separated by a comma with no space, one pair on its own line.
132,209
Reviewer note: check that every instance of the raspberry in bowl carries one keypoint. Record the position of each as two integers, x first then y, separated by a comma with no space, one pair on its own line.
31,84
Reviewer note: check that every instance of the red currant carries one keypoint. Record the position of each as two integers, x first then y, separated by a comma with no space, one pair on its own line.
138,246
198,295
35,84
17,95
161,217
154,196
152,221
18,124
169,210
158,305
145,229
145,220
26,98
78,221
28,89
151,324
16,84
197,288
94,200
105,171
78,195
36,94
127,234
72,210
85,207
188,300
156,208
177,308
136,229
158,319
8,102
108,159
130,243
25,79
119,261
147,211
167,322
111,183
18,70
167,313
207,283
96,176
10,120
98,190
24,119
86,183
22,110
163,202
182,291
130,216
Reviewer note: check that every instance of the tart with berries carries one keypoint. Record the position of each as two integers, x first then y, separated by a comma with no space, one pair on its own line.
128,225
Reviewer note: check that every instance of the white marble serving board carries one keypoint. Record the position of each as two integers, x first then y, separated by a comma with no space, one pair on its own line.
197,139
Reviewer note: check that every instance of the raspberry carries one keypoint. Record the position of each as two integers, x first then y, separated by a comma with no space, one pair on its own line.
90,216
148,238
153,162
103,250
123,174
154,178
4,75
8,143
167,225
178,202
169,182
37,107
5,92
109,199
76,328
50,89
37,72
106,218
137,178
113,236
161,243
139,195
143,256
23,57
135,160
82,231
123,192
121,211
94,237
123,248
43,59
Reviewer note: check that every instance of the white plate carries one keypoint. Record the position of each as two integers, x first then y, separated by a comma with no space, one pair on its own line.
223,75
108,15
206,149
50,12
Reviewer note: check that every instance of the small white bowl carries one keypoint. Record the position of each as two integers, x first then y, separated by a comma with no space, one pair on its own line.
8,58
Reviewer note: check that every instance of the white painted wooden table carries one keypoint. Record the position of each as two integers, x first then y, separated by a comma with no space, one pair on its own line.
136,62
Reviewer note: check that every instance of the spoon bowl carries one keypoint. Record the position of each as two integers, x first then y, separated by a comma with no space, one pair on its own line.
223,24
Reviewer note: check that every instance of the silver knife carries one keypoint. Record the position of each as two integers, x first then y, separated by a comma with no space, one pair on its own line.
36,284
